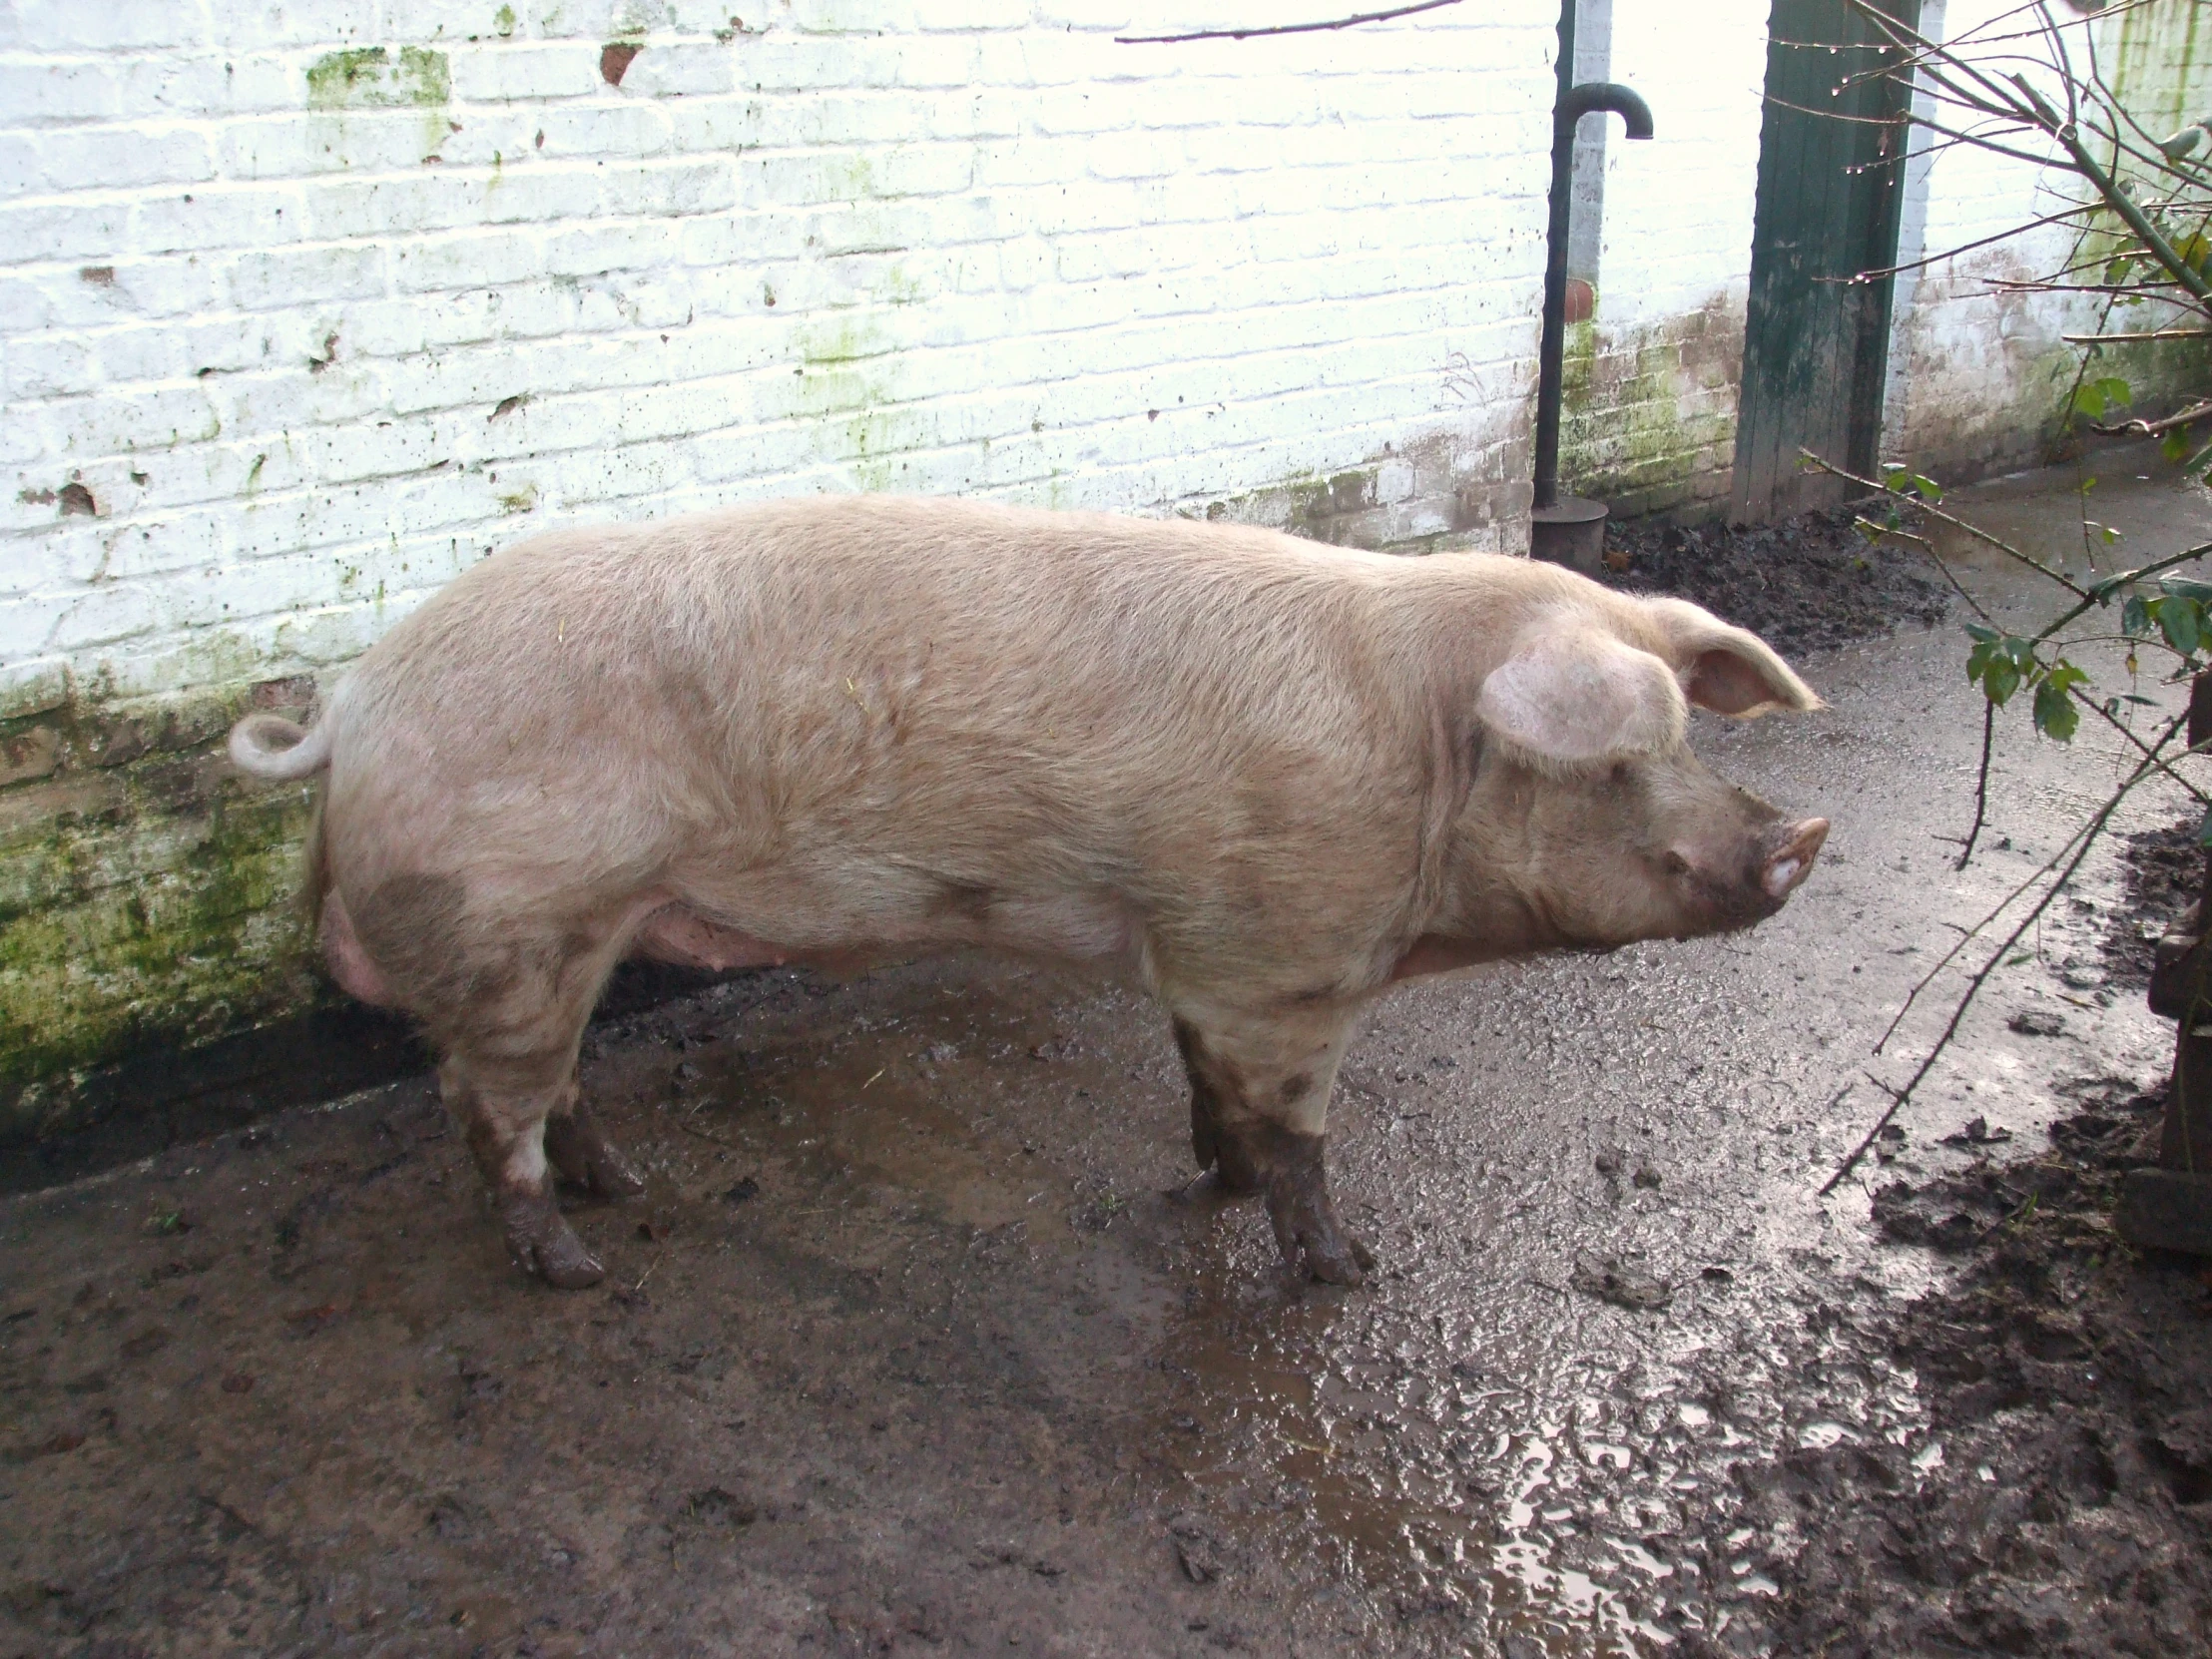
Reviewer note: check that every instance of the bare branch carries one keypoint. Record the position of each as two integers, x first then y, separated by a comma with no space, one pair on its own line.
1283,28
2151,428
1981,784
1933,511
2133,338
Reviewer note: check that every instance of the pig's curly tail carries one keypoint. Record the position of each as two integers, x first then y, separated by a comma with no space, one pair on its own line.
269,746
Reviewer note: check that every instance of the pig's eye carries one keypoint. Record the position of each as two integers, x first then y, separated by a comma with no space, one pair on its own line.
1619,775
1674,863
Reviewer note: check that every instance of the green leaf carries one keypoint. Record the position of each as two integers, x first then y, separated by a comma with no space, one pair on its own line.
2181,620
2188,588
1978,631
2107,391
2175,443
2055,714
2204,830
2135,617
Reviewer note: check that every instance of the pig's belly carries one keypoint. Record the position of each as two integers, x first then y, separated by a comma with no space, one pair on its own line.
1064,928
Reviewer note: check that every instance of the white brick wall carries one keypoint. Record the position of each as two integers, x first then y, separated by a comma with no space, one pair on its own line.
317,332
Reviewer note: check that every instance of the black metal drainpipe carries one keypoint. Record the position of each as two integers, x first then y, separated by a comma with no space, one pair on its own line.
1574,102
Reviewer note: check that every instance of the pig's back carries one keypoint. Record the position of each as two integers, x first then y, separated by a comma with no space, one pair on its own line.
1172,710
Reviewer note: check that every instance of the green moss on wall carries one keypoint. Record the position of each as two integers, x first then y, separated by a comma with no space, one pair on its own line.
146,901
370,78
1648,411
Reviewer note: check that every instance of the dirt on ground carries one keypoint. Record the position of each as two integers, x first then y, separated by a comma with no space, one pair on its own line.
2069,1511
1805,584
2162,873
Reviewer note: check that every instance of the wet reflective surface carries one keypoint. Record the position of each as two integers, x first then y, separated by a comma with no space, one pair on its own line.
919,1343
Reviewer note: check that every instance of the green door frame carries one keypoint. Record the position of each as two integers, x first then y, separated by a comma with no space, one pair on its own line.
1816,339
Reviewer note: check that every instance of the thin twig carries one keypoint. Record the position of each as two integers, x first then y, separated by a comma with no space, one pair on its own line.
1980,782
1966,936
1282,28
701,1134
1899,1097
1933,511
2136,337
2151,428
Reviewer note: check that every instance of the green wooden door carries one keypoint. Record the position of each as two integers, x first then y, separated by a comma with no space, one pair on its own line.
1815,341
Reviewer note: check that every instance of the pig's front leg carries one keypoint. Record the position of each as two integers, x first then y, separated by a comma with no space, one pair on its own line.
1259,1119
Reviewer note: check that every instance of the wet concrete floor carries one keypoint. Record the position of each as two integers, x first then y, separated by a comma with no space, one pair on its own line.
912,1346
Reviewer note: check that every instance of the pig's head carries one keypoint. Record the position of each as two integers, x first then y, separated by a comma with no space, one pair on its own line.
1590,823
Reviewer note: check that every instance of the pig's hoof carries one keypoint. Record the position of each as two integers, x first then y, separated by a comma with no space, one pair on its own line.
577,1147
542,1242
1309,1235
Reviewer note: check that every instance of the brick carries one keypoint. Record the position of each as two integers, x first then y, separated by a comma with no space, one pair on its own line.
291,277
124,157
250,216
33,91
77,231
682,186
51,366
602,128
284,146
523,70
682,69
169,286
113,25
259,25
467,259
612,246
133,355
117,422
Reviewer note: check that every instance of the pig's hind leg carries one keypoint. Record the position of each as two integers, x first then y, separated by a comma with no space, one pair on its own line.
1259,1119
580,1150
505,1112
509,1028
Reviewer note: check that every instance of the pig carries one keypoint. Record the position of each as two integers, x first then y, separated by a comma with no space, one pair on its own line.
1267,777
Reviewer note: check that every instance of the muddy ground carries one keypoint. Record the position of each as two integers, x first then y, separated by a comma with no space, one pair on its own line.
1807,584
2064,1378
914,1346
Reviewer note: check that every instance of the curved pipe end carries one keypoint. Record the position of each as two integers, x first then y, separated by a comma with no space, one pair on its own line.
1622,101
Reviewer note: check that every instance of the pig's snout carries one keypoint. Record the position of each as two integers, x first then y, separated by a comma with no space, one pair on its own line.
1788,856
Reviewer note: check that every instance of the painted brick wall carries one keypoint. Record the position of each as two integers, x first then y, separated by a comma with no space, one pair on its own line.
1652,378
1979,375
313,302
307,305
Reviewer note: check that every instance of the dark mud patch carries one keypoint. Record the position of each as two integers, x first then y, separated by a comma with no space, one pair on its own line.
2069,1510
2161,872
1806,584
163,1098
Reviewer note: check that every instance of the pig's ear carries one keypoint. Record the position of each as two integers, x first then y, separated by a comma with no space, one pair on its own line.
1578,693
1725,668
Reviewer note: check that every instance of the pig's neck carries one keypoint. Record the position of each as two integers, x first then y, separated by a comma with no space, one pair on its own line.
1488,918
